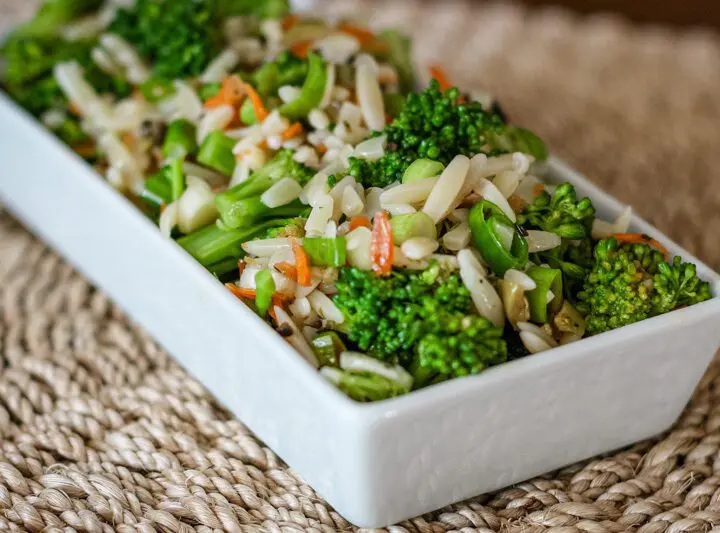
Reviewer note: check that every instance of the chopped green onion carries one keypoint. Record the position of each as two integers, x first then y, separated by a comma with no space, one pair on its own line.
328,346
158,191
264,290
156,89
216,152
211,244
224,267
325,251
312,91
179,140
405,227
208,90
247,113
498,239
546,280
421,169
177,178
517,139
400,57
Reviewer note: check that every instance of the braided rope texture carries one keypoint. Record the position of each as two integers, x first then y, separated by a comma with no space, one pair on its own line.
100,430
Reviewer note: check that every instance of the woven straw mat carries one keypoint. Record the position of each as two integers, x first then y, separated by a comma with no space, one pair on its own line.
101,430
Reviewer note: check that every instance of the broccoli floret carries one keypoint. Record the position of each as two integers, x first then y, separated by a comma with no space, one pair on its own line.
632,282
365,386
676,285
178,38
421,320
241,206
433,124
458,346
562,213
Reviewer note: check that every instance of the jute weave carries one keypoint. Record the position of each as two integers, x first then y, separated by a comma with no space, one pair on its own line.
100,430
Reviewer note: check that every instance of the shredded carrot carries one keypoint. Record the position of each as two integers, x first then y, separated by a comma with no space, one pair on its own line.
301,48
363,35
241,265
321,148
367,39
302,264
241,292
288,22
250,294
129,140
261,112
381,245
287,270
231,93
74,109
85,149
294,130
640,238
359,221
438,73
517,204
538,189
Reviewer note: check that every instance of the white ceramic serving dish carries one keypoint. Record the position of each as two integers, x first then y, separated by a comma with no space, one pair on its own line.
376,463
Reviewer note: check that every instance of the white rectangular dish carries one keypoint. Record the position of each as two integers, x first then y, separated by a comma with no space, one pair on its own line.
375,463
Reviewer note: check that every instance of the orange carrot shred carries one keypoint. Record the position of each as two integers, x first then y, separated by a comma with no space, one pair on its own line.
301,48
363,35
369,42
538,189
294,130
231,93
287,270
438,73
85,149
241,292
321,148
359,221
381,245
241,265
74,109
640,238
302,264
288,22
261,112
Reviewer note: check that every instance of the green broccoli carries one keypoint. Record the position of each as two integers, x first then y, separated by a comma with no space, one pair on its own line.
241,206
364,386
676,285
560,213
632,282
458,346
179,38
432,124
421,320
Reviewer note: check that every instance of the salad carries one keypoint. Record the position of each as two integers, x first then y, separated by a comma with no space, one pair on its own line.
396,237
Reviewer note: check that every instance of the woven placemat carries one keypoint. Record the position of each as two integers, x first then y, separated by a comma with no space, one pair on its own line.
102,431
